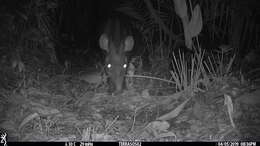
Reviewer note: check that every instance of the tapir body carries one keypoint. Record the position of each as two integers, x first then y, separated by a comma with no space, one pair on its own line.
116,40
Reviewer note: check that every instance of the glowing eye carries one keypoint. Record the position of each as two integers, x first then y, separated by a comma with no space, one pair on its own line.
109,66
124,66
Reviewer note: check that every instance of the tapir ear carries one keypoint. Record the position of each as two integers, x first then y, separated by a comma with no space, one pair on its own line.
103,42
129,43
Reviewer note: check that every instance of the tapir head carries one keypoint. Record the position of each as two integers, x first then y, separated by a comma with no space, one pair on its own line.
116,60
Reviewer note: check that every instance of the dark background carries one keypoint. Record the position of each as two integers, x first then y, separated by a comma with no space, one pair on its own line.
73,27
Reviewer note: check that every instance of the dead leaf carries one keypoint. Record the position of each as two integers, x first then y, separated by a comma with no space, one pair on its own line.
28,119
173,113
159,125
145,94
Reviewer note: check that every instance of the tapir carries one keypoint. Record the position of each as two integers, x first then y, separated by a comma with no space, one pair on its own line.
116,40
